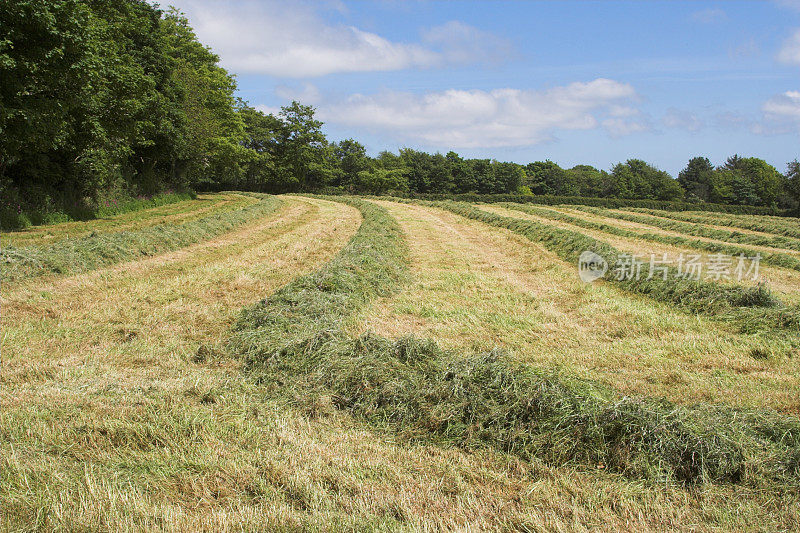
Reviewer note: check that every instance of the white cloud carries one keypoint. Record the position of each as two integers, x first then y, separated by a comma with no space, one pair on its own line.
290,39
307,93
620,127
461,43
680,119
790,51
709,16
783,111
500,117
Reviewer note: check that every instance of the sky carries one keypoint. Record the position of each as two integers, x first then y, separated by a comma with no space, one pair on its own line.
580,82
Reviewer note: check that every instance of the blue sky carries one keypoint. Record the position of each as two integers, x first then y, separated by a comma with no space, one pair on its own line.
575,82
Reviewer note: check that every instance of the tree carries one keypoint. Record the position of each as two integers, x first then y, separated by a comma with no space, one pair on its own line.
508,177
381,180
351,159
636,179
461,173
590,181
210,131
546,177
260,142
300,144
793,182
696,179
750,181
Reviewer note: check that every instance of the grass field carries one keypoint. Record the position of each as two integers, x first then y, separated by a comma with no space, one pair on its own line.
172,213
286,363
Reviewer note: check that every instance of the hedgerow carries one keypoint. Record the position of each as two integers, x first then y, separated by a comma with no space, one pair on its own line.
293,343
82,254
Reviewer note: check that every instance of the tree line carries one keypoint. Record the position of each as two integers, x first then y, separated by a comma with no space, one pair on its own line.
110,97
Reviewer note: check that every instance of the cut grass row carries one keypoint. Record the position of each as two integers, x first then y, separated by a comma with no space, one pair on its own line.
294,339
749,309
110,422
95,251
783,283
777,259
477,288
783,226
11,219
695,229
177,212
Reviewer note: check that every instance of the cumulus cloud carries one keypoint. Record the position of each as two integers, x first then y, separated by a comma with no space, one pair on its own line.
709,16
500,117
782,113
290,39
790,51
680,119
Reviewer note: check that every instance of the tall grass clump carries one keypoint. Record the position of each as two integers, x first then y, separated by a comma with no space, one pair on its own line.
81,254
293,343
751,309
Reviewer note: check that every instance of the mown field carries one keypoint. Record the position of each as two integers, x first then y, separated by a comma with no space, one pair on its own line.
250,362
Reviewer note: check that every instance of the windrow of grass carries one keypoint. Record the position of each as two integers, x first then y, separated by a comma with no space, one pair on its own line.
173,213
294,342
750,309
371,265
784,226
770,258
74,255
15,219
689,228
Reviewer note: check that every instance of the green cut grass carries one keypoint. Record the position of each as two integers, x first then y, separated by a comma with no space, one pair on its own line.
174,213
96,251
770,258
782,226
689,228
293,340
751,309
